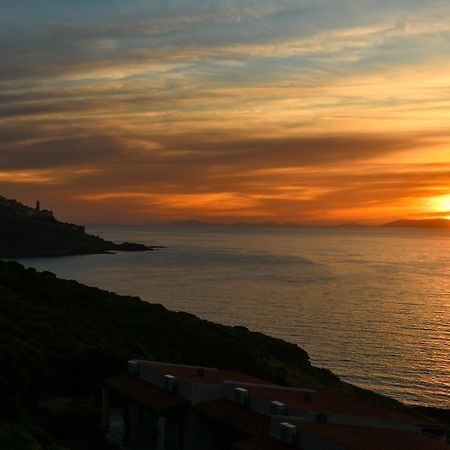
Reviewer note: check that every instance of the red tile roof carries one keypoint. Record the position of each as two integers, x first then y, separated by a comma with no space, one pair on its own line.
351,438
191,374
145,393
239,417
331,403
361,438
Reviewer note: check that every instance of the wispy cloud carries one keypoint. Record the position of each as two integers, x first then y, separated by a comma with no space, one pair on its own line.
182,108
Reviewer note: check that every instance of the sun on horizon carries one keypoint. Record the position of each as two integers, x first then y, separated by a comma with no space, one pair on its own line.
441,206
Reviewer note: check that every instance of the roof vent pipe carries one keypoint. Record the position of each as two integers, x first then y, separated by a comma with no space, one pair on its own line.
170,383
133,368
278,409
288,433
241,396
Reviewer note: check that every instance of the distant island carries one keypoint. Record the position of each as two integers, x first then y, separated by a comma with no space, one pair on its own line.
201,223
427,223
352,225
26,231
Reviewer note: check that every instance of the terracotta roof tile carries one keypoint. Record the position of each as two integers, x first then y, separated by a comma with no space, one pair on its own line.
145,393
191,374
351,438
361,438
239,417
331,403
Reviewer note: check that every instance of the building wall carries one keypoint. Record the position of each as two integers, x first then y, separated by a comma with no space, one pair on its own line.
198,434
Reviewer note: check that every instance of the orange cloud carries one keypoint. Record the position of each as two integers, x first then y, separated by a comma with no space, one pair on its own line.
346,120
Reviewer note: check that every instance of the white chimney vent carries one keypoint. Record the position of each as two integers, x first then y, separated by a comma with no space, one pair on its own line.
133,368
241,396
278,409
170,383
288,433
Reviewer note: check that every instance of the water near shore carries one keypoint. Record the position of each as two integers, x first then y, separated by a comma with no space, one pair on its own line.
373,305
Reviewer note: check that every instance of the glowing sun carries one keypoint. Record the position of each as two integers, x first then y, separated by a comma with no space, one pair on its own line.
441,205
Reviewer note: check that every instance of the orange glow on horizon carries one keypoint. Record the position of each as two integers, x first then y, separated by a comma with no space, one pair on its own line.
441,206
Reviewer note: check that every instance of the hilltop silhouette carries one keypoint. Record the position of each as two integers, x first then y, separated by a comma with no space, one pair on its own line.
26,231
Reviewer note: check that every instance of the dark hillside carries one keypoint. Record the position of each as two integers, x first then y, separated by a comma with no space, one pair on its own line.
59,339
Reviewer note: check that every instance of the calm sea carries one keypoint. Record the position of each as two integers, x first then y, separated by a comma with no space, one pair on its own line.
373,305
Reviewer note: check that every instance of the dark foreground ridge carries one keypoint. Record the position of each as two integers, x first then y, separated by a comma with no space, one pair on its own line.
59,339
26,231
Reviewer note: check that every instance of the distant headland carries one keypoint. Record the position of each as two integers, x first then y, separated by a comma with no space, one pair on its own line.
26,231
427,223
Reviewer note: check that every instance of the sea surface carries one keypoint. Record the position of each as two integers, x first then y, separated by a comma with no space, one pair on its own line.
372,305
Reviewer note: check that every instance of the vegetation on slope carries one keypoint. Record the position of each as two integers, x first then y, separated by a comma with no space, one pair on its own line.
59,339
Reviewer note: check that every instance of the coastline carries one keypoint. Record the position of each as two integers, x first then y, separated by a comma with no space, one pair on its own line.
67,337
47,280
57,254
277,291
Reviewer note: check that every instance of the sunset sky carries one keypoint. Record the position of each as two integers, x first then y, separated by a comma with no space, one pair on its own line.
310,111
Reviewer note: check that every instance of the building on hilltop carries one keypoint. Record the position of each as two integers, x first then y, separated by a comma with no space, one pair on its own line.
42,213
20,209
160,406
